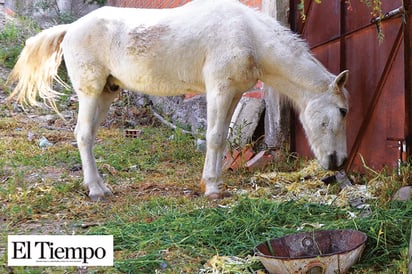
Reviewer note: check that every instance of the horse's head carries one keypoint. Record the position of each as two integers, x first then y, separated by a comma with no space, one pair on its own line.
324,121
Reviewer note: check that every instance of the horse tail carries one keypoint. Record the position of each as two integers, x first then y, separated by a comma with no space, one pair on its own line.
37,67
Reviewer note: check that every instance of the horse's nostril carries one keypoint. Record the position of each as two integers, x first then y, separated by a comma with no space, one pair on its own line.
333,158
334,162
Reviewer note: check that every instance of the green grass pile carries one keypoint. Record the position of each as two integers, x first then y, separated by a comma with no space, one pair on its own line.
198,233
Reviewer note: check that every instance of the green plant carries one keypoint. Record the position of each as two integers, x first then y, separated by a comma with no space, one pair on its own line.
12,38
301,8
182,146
374,6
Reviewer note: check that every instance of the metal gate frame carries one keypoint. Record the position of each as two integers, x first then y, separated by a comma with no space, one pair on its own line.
408,74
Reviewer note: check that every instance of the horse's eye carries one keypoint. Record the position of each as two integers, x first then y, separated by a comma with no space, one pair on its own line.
343,112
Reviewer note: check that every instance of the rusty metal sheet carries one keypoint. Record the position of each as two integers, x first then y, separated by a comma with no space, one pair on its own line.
374,96
327,54
315,21
357,15
379,141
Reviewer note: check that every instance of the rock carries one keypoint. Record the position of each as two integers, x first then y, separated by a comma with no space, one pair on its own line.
200,145
44,142
403,194
30,136
245,120
185,113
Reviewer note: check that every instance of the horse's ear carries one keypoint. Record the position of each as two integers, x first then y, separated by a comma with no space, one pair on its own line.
340,80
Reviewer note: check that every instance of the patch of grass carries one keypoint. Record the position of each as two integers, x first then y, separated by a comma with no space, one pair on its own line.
179,150
31,155
12,39
9,54
158,220
198,233
144,154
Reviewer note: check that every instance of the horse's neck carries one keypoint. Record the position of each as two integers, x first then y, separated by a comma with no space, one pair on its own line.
300,79
287,64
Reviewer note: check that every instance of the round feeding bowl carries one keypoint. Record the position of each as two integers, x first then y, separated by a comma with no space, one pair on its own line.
325,251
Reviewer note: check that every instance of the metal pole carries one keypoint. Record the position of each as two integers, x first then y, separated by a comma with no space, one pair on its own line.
408,74
408,94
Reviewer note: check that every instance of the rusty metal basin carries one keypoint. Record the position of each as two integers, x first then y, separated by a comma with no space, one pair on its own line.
325,251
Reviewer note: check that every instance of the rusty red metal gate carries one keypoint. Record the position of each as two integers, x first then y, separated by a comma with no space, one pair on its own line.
342,36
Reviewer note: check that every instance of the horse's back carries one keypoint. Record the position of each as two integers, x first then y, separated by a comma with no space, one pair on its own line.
165,51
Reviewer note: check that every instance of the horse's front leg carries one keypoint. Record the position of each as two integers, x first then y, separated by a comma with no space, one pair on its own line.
220,107
92,110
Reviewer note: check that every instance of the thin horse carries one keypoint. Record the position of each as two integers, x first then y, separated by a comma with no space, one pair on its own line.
218,47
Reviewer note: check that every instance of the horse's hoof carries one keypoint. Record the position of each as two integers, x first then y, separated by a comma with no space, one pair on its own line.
214,196
108,193
226,194
219,196
96,198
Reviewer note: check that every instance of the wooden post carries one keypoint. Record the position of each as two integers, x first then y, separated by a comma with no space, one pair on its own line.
277,115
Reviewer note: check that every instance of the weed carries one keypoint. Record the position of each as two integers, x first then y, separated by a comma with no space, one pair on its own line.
10,52
182,146
12,38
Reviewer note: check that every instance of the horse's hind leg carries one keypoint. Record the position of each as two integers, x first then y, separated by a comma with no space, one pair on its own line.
92,110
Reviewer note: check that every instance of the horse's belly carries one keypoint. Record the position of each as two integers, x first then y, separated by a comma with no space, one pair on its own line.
160,85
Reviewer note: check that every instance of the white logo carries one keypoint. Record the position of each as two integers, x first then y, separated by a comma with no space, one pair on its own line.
60,250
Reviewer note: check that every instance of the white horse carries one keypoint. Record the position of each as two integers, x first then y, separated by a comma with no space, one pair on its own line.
217,47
